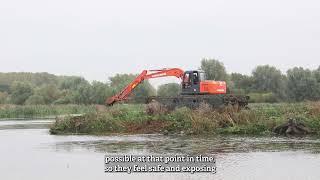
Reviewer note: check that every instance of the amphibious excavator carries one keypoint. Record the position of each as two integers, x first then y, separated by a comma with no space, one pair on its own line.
196,89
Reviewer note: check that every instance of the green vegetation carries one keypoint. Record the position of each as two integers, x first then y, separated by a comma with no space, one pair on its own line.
32,111
214,69
265,84
44,88
171,89
261,119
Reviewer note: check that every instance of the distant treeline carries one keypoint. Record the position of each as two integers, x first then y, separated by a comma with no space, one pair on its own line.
265,84
44,88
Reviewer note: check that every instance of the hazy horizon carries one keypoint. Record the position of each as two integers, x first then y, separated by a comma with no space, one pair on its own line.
98,39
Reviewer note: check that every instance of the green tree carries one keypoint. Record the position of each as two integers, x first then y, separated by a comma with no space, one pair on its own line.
241,83
3,97
316,74
35,79
171,89
65,97
72,82
100,92
302,84
49,93
214,69
269,79
20,92
119,81
5,87
266,78
82,95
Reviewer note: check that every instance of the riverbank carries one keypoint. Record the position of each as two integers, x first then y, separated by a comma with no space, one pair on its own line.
34,111
261,119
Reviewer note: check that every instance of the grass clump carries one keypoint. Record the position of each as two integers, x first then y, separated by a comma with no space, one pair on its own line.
117,119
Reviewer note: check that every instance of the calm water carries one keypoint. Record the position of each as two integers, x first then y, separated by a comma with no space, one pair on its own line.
27,151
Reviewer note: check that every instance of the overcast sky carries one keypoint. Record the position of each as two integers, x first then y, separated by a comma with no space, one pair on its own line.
99,38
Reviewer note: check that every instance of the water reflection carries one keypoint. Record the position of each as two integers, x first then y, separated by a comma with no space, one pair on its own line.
158,144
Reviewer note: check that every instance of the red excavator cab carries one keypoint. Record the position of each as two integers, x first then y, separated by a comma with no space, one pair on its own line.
213,87
194,82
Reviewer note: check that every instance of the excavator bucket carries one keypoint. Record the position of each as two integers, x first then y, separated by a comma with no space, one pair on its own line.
110,101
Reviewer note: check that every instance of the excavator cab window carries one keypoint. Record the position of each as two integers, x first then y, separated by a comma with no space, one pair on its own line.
195,78
186,80
202,76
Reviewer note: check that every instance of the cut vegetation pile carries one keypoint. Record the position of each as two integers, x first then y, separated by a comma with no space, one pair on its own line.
260,119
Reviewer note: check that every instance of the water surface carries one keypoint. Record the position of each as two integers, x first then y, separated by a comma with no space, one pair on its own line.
28,151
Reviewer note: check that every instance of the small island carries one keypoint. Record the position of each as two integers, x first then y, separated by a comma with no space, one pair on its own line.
260,119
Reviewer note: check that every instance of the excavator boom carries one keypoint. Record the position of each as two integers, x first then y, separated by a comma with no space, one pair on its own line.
146,74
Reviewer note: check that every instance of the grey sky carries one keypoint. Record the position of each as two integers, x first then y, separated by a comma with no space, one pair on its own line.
98,38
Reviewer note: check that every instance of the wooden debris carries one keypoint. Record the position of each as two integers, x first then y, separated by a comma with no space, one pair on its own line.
155,107
292,127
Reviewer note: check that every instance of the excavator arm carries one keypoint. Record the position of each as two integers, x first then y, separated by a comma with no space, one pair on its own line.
146,74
